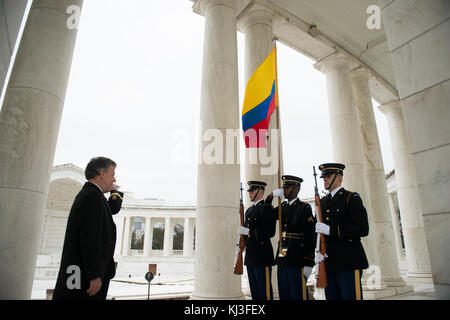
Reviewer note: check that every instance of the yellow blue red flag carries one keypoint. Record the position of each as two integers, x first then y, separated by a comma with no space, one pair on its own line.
260,101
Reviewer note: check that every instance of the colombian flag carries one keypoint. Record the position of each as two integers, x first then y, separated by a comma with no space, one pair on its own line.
260,101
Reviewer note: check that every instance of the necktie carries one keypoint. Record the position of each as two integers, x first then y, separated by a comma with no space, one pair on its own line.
328,199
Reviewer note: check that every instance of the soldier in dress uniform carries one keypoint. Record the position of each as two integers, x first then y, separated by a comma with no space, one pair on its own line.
115,200
298,238
344,223
258,230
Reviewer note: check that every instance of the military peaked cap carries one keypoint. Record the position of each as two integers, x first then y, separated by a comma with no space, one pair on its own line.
330,168
291,180
253,185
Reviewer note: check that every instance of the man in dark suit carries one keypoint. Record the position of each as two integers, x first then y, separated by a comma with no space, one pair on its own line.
258,230
295,254
87,263
344,223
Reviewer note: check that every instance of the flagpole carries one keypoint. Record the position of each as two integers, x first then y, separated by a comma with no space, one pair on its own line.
277,113
280,225
278,110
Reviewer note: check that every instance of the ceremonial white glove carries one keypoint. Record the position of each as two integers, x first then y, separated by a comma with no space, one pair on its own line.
307,271
278,193
319,257
243,230
323,228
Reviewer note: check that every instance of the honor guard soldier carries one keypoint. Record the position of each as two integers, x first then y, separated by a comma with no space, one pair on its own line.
258,230
115,200
344,223
295,254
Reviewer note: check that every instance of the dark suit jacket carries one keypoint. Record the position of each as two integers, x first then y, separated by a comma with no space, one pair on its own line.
89,243
347,218
298,223
259,251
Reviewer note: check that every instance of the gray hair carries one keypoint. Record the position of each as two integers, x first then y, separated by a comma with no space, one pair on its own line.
97,164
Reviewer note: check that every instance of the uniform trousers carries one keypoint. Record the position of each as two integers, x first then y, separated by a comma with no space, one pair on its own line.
292,283
344,285
260,282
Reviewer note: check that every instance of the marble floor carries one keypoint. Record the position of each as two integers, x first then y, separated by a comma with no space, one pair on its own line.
179,284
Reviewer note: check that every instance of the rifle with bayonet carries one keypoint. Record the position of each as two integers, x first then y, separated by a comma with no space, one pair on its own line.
321,274
238,260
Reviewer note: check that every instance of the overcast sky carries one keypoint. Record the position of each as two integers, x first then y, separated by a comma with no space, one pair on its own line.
134,90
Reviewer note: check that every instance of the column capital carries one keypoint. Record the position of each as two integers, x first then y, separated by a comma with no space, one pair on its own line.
255,14
334,61
360,74
201,6
391,107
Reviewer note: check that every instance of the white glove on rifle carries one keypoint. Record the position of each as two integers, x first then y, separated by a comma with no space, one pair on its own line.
319,257
307,271
323,228
243,230
278,193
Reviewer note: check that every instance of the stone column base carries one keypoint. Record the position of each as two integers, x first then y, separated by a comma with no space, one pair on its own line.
419,277
374,294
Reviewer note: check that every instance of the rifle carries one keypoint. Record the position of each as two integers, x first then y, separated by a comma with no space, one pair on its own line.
238,261
282,248
321,275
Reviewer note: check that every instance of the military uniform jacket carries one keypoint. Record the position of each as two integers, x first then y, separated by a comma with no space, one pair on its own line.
259,250
298,223
115,201
89,243
347,218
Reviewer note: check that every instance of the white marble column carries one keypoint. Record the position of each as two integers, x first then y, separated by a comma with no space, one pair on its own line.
407,193
152,230
417,36
396,227
218,183
126,236
257,26
148,237
29,124
168,237
44,234
187,237
346,136
376,181
11,16
119,220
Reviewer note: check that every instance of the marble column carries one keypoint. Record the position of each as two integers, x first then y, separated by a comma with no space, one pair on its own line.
168,238
148,237
11,16
44,234
407,193
257,27
218,181
29,124
417,36
396,227
376,181
187,237
119,220
346,136
126,236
